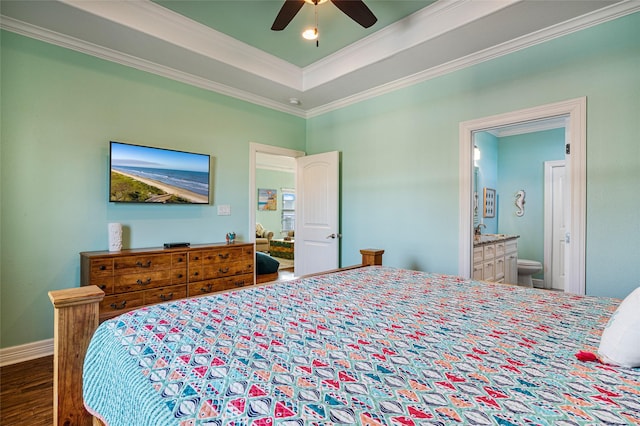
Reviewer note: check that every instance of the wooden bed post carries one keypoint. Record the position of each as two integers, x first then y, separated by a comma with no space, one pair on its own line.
371,256
75,321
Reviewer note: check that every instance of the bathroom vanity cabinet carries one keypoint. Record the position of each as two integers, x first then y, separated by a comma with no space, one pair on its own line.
495,258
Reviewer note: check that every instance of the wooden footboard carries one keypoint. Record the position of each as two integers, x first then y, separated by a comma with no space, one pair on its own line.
75,321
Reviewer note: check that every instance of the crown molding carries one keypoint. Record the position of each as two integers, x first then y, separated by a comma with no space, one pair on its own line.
161,23
424,25
264,65
72,43
600,16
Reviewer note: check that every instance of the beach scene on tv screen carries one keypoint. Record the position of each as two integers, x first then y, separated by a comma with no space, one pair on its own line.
141,174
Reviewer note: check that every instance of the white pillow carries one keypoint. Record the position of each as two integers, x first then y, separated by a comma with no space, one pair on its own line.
620,341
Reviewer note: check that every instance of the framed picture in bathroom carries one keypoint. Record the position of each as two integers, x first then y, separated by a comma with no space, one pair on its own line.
489,209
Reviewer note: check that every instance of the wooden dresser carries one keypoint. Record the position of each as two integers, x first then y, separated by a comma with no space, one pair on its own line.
139,277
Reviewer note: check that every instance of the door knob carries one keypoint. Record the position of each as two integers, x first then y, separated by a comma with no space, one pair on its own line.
334,236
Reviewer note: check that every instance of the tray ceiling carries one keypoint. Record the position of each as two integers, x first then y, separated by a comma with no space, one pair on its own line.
228,47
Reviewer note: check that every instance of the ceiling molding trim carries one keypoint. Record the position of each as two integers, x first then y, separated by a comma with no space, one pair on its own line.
164,24
81,46
614,11
425,24
597,17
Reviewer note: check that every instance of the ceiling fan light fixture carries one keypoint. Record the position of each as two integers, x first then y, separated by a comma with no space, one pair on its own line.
310,34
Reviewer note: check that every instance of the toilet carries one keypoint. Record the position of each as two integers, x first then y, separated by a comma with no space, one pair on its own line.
526,268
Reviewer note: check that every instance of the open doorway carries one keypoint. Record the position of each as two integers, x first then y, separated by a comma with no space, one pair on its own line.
510,160
575,111
317,235
272,185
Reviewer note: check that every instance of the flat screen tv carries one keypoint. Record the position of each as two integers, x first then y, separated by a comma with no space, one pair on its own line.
144,174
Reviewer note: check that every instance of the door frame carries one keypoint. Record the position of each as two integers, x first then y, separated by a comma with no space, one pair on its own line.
254,148
576,111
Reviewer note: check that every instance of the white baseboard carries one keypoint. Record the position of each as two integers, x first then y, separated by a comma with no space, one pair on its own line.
537,283
26,352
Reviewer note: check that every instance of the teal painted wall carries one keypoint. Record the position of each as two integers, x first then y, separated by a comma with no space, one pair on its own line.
59,111
273,179
521,166
399,159
400,154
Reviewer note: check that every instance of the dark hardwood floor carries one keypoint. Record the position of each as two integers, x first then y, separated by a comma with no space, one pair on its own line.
26,393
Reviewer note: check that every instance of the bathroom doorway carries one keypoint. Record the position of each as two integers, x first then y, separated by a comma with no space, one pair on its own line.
510,160
575,113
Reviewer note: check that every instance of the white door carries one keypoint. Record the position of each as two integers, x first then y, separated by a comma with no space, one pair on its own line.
316,238
555,224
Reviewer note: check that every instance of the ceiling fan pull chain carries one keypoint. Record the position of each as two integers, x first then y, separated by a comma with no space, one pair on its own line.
315,10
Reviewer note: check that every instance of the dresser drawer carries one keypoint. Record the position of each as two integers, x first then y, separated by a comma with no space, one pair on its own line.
195,273
131,264
499,249
164,294
111,305
103,283
220,284
179,276
195,258
101,267
226,255
178,260
141,281
227,269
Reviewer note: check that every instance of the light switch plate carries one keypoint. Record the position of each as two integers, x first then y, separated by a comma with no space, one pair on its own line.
224,210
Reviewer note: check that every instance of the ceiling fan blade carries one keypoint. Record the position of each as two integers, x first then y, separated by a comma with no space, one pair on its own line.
289,9
356,10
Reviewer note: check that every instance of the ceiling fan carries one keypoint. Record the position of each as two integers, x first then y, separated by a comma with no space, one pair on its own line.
354,9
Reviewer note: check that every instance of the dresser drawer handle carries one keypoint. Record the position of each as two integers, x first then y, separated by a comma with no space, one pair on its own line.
196,257
180,259
206,289
119,306
223,270
179,275
103,286
140,282
102,267
195,274
165,298
144,265
239,283
223,256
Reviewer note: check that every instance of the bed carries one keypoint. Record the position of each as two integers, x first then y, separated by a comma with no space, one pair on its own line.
373,346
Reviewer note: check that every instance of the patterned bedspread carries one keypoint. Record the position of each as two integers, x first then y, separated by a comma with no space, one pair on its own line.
373,346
